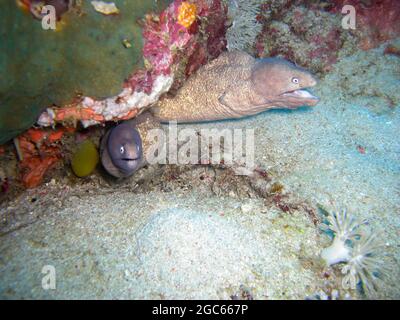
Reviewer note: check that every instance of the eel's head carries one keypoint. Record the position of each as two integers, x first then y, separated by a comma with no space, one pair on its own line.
283,83
121,153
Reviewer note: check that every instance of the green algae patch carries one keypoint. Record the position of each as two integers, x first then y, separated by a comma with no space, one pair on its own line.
85,159
85,56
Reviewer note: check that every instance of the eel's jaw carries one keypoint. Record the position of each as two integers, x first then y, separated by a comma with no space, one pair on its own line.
130,165
127,165
299,97
301,93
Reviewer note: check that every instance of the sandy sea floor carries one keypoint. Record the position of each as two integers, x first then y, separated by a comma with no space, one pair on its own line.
202,232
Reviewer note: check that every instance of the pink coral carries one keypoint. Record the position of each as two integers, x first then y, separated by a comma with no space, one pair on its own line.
167,41
171,47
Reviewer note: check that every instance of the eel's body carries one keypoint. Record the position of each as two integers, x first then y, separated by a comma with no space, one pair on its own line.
236,85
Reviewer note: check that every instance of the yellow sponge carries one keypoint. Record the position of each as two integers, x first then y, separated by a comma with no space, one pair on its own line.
85,159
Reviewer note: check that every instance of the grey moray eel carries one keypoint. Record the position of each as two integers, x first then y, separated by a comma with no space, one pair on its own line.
234,85
123,147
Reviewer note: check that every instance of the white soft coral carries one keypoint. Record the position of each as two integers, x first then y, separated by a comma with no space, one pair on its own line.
364,264
359,250
346,229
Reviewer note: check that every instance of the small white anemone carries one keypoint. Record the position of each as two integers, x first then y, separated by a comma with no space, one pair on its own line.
364,264
346,229
360,251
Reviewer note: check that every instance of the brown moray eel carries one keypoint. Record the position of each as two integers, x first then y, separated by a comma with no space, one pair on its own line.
236,85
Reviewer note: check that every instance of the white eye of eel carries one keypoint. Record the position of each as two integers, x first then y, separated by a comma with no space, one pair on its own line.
122,149
295,80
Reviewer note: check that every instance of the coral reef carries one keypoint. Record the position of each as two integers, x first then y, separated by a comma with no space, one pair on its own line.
360,250
377,21
84,56
176,43
244,27
38,151
310,33
304,34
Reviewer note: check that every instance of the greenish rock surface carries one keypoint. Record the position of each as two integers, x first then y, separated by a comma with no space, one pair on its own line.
86,56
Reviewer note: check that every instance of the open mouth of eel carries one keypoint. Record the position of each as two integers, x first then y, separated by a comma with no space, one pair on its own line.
299,93
300,97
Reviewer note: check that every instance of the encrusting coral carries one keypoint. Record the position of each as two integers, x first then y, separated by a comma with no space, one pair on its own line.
39,151
360,250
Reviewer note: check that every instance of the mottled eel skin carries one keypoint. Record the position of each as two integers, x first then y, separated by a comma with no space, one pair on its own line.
236,85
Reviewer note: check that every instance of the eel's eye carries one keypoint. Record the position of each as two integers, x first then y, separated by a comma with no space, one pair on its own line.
122,149
295,80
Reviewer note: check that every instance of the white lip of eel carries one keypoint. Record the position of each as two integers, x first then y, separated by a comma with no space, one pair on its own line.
301,93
